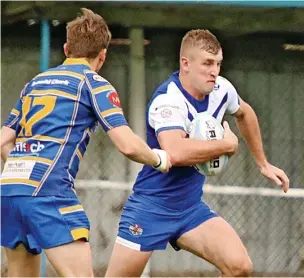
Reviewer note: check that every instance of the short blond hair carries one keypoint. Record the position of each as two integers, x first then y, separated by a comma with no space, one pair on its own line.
87,35
201,39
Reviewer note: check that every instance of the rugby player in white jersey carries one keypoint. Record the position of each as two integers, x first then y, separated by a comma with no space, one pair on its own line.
43,142
168,208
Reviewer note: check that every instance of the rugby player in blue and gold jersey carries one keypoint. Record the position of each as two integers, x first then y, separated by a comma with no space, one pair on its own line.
43,141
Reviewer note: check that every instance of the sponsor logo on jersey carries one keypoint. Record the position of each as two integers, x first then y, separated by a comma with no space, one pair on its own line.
166,113
18,169
168,106
97,77
50,82
33,148
216,86
114,99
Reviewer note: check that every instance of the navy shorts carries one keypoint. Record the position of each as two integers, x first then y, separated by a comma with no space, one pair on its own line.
147,226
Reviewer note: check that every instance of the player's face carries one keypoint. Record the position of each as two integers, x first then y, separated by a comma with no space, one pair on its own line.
204,68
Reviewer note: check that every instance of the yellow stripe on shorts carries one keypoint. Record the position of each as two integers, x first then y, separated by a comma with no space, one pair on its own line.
80,233
71,209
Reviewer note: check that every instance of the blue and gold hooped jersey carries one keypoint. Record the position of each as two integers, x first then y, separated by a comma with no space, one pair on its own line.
54,119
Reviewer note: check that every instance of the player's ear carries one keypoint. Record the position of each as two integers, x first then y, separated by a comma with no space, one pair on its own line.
184,63
102,55
66,50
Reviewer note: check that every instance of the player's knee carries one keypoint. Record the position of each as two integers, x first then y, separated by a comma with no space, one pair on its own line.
241,268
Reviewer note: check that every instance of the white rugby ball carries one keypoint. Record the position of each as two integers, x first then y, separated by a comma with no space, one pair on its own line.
206,127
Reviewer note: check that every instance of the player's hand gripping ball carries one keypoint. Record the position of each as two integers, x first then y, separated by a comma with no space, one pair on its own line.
205,127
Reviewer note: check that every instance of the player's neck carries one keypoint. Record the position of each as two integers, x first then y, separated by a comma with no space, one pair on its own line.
93,63
187,86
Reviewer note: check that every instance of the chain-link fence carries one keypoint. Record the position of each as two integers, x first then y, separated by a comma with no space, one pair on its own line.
272,227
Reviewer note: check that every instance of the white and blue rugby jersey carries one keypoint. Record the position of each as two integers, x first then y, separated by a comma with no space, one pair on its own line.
54,118
172,107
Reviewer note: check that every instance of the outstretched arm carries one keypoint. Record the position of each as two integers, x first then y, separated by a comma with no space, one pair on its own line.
106,106
249,127
133,147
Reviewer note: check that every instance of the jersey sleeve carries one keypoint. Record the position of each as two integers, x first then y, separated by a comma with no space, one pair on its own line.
233,99
105,102
167,113
16,113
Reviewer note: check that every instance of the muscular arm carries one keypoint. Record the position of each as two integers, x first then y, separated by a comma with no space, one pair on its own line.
249,127
110,115
168,115
8,138
133,147
186,152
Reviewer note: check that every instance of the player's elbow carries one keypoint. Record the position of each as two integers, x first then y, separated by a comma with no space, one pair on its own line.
129,150
244,111
125,140
6,149
7,139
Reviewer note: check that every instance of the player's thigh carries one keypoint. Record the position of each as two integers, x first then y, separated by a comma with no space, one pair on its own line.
61,228
22,259
21,263
127,262
73,259
144,227
218,243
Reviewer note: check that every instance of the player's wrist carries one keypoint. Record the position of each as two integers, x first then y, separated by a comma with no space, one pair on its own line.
159,162
229,146
162,160
262,164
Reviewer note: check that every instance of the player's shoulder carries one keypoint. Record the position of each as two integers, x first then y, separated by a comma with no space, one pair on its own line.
169,91
96,82
170,98
95,79
93,76
223,83
68,72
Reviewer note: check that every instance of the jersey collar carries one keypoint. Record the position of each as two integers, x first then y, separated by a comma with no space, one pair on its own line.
200,105
77,61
